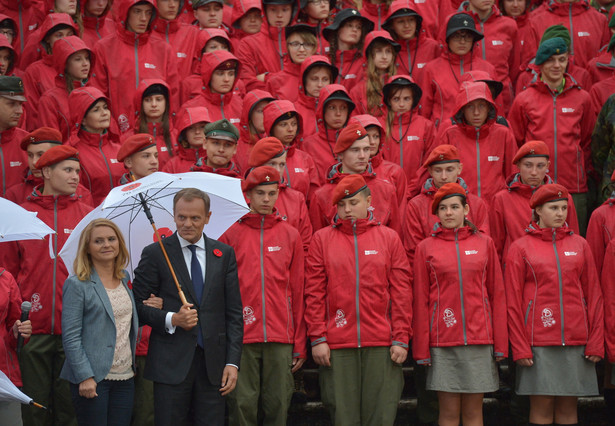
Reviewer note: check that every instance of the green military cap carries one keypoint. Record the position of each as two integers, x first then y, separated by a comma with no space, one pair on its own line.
548,48
11,87
222,129
556,31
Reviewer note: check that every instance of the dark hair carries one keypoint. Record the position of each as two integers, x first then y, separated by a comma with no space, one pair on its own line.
333,47
189,194
141,121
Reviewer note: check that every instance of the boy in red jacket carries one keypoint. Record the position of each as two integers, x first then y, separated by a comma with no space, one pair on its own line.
270,267
358,310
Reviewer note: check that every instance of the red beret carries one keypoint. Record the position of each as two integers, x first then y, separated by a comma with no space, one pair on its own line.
548,193
135,143
263,175
264,150
532,149
348,136
56,154
347,187
42,135
447,190
442,154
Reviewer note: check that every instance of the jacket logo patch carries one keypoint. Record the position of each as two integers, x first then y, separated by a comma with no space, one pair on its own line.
32,27
122,121
368,252
15,163
248,315
583,34
272,249
567,109
299,170
149,66
421,65
413,138
163,149
420,1
349,76
67,231
469,252
181,55
36,302
340,318
449,318
547,318
234,120
113,160
493,158
497,42
570,253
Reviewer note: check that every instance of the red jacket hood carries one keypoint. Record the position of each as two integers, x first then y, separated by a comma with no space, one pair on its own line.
79,101
143,85
211,60
564,9
4,43
325,93
277,109
122,16
359,226
241,7
189,116
54,19
15,26
471,91
207,34
309,62
63,48
548,234
249,102
367,120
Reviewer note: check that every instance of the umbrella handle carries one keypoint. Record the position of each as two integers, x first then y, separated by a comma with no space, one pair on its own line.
36,404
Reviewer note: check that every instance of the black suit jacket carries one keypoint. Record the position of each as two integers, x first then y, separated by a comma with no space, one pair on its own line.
220,311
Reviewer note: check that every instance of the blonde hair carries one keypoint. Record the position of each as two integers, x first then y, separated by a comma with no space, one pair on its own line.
83,262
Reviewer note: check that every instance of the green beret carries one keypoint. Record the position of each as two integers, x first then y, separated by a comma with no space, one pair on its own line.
611,43
11,87
222,129
556,31
612,22
548,48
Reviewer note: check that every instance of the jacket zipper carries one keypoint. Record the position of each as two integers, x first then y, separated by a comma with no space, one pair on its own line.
554,138
357,281
401,144
561,289
478,190
341,73
97,28
106,161
482,42
490,323
527,311
137,61
281,54
55,261
463,313
571,29
263,279
433,316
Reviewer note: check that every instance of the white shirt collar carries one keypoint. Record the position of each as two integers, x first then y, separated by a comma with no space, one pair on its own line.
185,243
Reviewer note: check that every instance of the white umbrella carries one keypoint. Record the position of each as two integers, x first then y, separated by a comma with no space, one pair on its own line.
10,393
123,206
18,223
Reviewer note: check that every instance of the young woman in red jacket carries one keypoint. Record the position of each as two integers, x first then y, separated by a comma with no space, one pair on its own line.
380,53
317,13
555,311
459,310
190,124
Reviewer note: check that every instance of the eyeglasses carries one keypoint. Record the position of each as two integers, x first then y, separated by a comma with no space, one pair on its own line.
305,45
462,36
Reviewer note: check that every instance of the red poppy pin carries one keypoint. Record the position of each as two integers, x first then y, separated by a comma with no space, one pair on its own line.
218,253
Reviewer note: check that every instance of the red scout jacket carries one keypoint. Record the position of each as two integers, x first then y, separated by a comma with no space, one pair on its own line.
415,54
182,39
553,293
306,105
219,106
184,158
385,207
531,73
271,282
588,28
510,213
602,67
608,293
600,93
40,278
283,84
459,296
13,161
34,50
486,152
433,12
96,27
300,172
419,222
125,58
601,230
10,311
350,66
357,287
292,207
53,110
246,141
20,192
28,14
377,13
566,118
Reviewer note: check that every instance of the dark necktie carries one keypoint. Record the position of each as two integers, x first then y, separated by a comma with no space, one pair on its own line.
197,282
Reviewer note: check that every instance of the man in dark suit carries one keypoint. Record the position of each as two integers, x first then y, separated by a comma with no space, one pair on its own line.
195,349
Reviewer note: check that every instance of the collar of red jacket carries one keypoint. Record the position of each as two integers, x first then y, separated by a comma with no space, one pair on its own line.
373,9
201,166
7,135
255,220
569,83
564,9
93,139
161,25
191,154
48,202
358,226
376,160
334,173
455,60
449,234
514,183
548,234
430,189
94,22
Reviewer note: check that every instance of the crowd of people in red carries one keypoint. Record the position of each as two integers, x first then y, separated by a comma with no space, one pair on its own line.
429,177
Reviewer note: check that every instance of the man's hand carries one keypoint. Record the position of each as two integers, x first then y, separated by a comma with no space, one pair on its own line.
525,362
229,379
398,354
186,318
153,301
593,358
87,388
297,363
322,354
23,328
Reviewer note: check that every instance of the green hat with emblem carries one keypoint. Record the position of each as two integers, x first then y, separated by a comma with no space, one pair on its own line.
222,129
556,31
11,87
548,48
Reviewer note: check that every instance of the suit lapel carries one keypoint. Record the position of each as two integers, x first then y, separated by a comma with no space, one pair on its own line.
99,288
176,256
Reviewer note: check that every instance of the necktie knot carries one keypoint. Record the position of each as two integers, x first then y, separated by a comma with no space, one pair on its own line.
192,248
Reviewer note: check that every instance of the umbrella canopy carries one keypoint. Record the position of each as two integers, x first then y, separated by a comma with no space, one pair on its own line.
123,206
10,393
20,224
